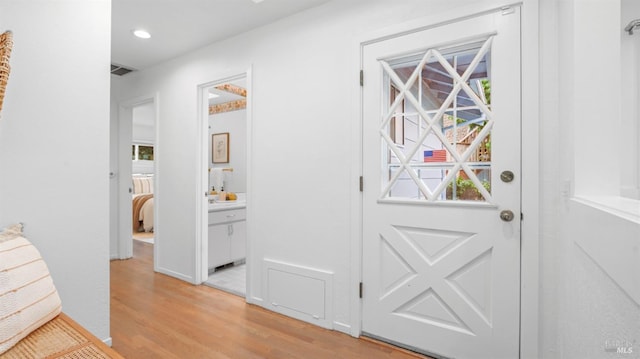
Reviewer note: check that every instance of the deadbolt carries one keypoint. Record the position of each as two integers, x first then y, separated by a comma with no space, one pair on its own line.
506,215
506,176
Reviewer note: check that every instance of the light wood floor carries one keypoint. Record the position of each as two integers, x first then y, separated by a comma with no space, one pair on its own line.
156,316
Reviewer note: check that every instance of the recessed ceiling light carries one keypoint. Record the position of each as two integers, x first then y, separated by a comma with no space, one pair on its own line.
143,34
257,1
213,95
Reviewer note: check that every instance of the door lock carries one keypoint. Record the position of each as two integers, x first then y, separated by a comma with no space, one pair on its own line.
507,176
506,215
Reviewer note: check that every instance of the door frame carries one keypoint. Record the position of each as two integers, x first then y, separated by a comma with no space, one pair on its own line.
202,178
125,123
529,263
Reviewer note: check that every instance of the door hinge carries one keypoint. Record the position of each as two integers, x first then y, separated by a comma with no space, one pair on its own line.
360,289
361,77
361,183
521,216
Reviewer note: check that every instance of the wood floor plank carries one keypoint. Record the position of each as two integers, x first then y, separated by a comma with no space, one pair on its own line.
156,316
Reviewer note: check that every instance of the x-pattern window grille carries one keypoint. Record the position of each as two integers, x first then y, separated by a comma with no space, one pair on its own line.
457,162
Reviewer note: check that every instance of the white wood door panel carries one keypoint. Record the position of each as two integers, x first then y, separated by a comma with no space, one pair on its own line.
441,269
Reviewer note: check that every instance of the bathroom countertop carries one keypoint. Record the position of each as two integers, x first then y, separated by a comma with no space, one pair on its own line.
226,205
215,205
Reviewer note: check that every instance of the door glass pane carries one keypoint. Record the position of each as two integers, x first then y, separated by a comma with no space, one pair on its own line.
404,186
397,125
464,189
440,123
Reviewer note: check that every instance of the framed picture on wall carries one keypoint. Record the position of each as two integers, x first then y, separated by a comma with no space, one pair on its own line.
220,147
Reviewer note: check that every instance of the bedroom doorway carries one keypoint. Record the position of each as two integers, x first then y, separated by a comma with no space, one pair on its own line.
143,171
137,148
225,125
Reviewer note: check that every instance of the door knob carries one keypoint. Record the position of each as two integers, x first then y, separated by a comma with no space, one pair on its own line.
506,215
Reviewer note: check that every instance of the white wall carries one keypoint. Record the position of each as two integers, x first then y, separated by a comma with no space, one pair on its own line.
144,120
630,98
595,95
234,122
54,145
600,298
550,178
590,289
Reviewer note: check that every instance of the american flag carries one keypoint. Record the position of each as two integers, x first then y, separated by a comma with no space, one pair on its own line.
435,156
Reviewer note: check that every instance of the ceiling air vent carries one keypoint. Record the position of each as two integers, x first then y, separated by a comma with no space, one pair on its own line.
120,70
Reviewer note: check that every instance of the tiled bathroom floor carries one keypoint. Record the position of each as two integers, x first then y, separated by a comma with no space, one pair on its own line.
231,279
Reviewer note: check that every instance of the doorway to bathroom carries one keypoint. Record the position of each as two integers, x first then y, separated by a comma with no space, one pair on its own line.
225,126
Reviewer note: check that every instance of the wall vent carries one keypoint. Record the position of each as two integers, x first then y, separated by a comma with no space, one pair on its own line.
120,70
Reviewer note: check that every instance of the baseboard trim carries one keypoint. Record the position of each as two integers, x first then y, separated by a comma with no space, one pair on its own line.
108,342
177,275
255,300
341,327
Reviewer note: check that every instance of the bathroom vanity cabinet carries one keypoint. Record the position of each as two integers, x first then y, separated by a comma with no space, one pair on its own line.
227,234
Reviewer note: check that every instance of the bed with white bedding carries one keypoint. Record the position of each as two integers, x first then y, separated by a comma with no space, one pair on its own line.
142,203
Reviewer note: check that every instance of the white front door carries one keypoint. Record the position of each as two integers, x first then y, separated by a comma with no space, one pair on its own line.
441,201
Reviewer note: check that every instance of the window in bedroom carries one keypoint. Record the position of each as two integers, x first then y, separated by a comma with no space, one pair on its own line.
145,153
142,152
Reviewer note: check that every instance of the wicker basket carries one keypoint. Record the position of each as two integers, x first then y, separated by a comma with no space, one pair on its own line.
6,43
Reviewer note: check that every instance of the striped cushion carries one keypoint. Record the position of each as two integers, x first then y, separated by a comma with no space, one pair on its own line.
11,232
142,185
28,298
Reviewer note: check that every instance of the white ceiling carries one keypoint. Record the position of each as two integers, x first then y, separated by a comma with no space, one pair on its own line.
181,26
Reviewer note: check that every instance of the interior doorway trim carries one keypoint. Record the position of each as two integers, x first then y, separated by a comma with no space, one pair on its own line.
529,281
125,130
202,177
